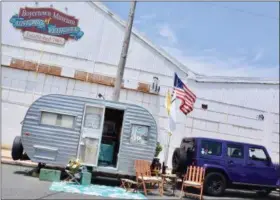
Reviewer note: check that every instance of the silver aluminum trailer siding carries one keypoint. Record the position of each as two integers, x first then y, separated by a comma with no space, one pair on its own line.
50,144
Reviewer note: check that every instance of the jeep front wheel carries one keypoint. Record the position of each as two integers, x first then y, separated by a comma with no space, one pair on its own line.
215,184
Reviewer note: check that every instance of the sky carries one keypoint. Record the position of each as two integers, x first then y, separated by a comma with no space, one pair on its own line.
212,38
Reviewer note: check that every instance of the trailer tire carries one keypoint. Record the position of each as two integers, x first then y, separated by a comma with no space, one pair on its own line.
17,148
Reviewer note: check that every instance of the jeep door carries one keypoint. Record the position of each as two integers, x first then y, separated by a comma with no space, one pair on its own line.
259,169
235,160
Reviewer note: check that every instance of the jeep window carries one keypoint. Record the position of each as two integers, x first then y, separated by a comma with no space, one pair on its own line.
235,151
211,148
257,154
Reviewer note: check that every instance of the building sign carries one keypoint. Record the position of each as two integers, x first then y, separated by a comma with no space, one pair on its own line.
47,25
44,38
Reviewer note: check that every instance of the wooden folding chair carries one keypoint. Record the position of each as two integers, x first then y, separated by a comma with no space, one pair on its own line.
194,178
144,177
72,177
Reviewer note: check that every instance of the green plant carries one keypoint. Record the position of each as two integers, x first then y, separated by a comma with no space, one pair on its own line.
158,149
74,165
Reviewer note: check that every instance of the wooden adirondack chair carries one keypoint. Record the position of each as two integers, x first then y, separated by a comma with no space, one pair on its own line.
194,178
144,177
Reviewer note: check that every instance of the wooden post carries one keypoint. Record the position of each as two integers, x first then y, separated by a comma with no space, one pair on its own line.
122,62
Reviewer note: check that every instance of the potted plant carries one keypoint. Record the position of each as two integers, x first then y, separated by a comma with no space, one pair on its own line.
158,149
74,166
156,165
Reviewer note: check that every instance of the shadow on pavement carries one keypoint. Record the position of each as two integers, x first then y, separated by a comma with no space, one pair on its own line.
106,181
28,172
249,195
238,194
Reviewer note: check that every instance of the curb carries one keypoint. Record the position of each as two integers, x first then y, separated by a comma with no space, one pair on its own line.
20,163
9,161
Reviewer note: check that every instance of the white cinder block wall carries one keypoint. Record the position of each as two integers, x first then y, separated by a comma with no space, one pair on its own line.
232,107
221,120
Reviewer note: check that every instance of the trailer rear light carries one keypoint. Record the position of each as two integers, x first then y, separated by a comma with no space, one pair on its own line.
27,134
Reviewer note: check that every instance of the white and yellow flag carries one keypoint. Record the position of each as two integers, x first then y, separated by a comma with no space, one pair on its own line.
170,105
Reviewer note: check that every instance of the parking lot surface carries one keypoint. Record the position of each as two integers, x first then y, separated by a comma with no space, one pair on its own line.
17,184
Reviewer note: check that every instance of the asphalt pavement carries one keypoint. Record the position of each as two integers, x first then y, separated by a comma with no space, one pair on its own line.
17,184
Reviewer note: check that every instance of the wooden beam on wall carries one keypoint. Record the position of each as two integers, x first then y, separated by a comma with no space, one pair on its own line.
79,75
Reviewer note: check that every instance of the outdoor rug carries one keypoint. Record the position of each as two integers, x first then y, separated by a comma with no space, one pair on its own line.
96,190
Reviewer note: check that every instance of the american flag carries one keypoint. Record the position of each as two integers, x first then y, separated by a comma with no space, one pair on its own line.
183,93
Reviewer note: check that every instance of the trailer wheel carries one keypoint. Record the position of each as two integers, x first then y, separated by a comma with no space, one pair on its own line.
17,148
25,156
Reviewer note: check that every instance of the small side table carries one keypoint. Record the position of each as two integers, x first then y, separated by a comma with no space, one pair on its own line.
173,179
127,184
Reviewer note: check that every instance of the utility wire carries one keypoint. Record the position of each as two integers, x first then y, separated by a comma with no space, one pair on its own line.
244,11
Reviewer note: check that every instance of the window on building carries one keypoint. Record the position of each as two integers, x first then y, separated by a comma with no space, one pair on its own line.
139,134
204,106
235,151
257,154
56,119
211,148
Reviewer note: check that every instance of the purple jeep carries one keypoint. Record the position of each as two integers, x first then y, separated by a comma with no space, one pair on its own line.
228,165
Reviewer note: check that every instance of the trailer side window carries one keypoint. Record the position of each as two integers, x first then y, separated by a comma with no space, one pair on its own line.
56,119
139,134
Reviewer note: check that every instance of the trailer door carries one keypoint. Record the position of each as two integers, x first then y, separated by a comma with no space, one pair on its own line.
91,134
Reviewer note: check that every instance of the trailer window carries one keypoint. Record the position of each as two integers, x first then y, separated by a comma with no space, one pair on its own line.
139,134
56,119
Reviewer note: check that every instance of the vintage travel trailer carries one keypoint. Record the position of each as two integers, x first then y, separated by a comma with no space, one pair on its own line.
105,135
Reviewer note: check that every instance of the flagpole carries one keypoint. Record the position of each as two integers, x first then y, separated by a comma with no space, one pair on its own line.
167,149
170,105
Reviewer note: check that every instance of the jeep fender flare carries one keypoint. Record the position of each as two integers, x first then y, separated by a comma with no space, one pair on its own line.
278,183
217,168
